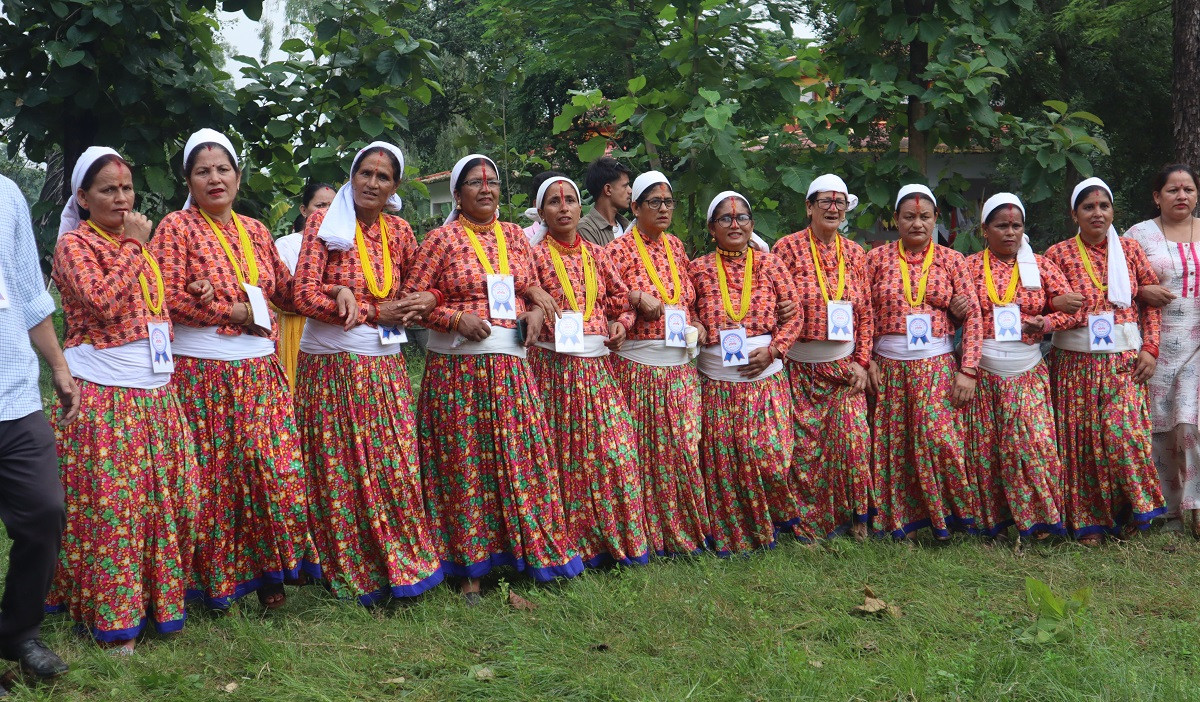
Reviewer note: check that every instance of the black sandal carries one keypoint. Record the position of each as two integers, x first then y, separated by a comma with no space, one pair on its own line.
272,596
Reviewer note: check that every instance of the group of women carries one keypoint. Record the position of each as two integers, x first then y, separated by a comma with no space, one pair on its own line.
581,405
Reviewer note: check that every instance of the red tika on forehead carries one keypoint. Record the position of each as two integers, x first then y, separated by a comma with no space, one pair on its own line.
733,206
562,192
485,178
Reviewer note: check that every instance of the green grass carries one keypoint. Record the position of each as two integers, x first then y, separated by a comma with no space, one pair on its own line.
767,627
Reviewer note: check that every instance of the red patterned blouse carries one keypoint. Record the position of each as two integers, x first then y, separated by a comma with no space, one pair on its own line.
447,262
1065,255
947,277
628,263
612,295
187,251
1032,302
101,296
321,270
771,284
796,252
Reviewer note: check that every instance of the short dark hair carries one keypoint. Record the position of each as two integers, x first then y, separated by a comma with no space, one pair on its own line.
1161,178
306,196
190,163
603,171
310,191
378,150
1088,191
537,183
89,177
467,169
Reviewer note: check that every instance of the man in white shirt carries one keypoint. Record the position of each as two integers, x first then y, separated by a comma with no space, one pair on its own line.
31,497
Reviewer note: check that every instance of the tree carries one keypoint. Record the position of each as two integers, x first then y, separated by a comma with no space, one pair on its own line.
70,81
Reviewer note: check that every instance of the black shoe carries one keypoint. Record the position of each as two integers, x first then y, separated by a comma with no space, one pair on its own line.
36,659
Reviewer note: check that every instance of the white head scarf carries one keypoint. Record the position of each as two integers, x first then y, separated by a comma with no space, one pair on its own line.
914,188
537,232
206,136
1119,291
457,171
70,212
1031,278
340,223
830,183
755,240
641,184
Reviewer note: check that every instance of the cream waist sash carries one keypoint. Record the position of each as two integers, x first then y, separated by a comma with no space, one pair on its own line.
653,352
593,347
820,351
501,340
321,339
205,342
1126,337
712,367
895,347
1009,358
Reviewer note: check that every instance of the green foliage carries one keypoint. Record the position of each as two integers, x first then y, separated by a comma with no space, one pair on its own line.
1056,617
349,81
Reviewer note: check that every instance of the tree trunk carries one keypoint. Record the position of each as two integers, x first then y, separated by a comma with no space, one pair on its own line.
1185,81
918,61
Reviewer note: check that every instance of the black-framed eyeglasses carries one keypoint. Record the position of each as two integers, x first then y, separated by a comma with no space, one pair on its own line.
726,220
826,203
660,203
478,183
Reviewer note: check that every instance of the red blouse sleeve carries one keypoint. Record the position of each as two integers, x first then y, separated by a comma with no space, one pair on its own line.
105,294
170,247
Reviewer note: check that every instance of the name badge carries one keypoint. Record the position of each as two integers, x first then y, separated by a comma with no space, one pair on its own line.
502,294
917,330
675,327
1006,322
258,306
841,321
389,336
733,347
161,360
4,303
568,333
1100,332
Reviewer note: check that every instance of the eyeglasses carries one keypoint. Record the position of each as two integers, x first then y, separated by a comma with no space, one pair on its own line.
726,220
478,183
660,203
829,204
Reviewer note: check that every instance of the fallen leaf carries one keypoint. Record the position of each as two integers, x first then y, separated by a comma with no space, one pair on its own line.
520,603
231,687
484,673
874,606
870,646
1170,548
816,664
392,681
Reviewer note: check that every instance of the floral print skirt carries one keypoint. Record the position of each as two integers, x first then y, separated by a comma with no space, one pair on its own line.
252,528
129,472
491,488
664,403
1103,422
593,444
831,465
745,456
366,511
920,472
1012,453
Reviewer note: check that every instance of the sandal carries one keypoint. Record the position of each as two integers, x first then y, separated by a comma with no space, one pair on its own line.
1090,541
272,596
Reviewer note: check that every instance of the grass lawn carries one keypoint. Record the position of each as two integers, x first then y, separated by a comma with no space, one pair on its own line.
773,626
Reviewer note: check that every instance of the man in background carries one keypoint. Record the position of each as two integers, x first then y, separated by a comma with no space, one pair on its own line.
609,183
